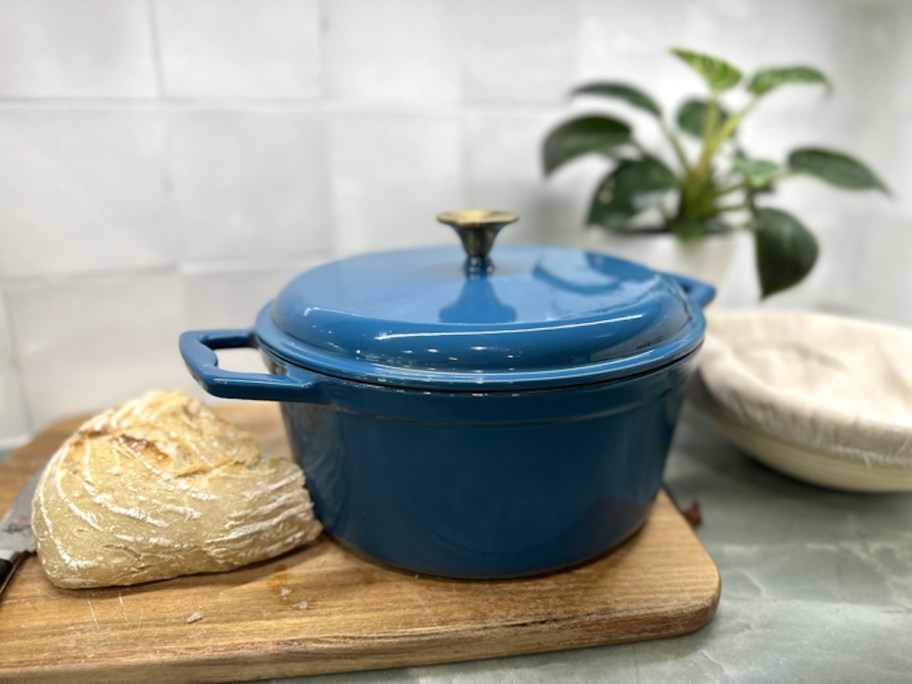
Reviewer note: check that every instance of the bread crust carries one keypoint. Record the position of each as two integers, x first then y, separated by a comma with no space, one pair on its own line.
160,487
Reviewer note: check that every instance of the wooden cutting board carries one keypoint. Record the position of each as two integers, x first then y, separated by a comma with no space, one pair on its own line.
322,610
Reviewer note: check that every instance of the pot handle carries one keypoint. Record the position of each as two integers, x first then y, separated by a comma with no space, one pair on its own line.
198,349
697,291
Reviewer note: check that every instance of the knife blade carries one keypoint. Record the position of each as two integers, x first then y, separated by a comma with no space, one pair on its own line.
16,537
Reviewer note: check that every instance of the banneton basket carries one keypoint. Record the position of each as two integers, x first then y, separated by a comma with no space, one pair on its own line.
822,398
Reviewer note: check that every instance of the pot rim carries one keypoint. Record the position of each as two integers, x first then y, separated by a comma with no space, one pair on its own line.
300,384
480,390
269,337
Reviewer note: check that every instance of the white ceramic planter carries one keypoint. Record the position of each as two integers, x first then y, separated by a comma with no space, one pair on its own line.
707,259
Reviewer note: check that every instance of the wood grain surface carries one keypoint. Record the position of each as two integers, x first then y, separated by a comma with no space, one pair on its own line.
321,609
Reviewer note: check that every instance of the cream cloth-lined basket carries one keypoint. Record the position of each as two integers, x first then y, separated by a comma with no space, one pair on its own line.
822,398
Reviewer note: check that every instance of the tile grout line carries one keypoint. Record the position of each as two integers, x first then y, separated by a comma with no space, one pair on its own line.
28,282
326,161
463,107
181,267
416,107
155,44
17,365
325,153
322,34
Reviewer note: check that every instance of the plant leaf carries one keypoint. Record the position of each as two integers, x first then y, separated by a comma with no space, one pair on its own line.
718,74
611,214
621,91
692,117
688,230
759,173
644,176
770,79
785,250
836,169
629,189
599,134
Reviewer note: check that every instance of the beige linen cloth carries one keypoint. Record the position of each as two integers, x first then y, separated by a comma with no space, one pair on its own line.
829,384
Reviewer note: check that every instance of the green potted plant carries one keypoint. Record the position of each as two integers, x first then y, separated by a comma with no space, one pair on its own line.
713,187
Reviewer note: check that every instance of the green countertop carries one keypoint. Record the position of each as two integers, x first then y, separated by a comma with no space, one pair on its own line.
816,587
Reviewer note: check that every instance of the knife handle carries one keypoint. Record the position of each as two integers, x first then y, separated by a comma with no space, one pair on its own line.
9,561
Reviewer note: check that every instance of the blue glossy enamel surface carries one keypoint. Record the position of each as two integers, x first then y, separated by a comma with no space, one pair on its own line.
403,387
467,484
545,317
486,485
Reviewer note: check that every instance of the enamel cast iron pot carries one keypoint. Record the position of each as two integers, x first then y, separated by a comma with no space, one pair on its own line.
468,416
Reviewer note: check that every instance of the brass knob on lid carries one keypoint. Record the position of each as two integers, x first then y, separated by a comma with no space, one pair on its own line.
477,230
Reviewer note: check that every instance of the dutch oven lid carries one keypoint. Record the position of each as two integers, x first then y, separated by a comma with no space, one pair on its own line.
530,317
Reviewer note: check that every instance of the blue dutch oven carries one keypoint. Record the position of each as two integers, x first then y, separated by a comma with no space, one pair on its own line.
464,417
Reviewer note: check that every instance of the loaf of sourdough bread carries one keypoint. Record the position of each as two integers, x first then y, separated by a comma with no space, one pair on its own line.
161,487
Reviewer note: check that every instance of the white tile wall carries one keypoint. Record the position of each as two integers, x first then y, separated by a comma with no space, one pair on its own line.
83,190
633,45
76,48
519,51
392,50
231,295
13,424
883,280
239,48
503,170
170,164
392,174
890,34
249,183
88,344
740,30
885,137
619,44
